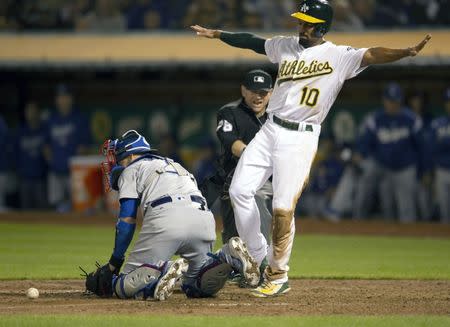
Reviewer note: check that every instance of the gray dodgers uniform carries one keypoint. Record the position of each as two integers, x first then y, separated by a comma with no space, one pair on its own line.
181,225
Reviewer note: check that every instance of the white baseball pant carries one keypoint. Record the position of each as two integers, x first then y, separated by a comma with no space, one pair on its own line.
286,155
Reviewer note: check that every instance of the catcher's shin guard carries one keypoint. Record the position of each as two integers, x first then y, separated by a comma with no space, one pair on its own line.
138,284
210,280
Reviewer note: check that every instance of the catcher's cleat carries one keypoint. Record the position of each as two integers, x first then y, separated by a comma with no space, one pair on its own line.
269,289
249,269
172,272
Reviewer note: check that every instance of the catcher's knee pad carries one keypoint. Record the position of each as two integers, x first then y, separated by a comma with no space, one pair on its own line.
138,284
210,280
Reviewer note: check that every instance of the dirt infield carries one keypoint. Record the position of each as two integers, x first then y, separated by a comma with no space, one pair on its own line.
308,297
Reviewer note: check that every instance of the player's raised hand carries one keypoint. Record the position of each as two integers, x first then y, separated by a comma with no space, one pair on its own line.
205,32
415,50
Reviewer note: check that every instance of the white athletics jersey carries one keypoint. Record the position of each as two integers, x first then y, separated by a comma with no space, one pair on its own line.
310,79
148,179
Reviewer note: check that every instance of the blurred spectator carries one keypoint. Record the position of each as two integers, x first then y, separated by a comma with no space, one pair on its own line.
204,166
177,13
82,7
324,180
441,9
105,17
364,10
273,13
44,14
72,10
67,135
169,148
417,101
115,15
147,15
441,159
31,165
3,164
373,13
252,20
7,15
35,15
344,18
410,12
204,13
392,140
233,15
342,200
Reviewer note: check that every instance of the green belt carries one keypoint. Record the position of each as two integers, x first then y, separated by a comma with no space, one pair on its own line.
291,125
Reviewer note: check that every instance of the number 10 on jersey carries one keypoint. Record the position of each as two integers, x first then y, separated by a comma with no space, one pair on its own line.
309,96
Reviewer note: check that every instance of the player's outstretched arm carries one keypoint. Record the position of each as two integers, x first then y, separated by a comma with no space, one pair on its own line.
238,40
379,55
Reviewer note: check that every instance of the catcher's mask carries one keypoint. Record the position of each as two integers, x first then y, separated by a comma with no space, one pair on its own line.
317,12
116,150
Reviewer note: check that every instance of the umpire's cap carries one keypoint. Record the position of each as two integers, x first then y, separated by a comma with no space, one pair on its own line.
318,12
258,80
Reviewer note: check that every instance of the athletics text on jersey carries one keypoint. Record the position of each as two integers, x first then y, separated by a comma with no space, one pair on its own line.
309,80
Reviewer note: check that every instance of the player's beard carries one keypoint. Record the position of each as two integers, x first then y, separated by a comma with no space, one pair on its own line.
308,42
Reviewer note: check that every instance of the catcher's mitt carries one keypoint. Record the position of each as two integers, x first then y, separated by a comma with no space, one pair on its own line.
100,281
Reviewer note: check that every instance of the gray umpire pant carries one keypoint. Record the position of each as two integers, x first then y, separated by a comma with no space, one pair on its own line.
442,184
397,189
263,198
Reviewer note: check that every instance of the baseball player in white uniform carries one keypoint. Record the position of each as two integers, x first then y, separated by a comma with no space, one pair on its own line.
311,71
176,221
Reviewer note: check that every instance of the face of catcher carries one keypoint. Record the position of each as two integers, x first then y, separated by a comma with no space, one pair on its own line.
127,160
257,100
306,34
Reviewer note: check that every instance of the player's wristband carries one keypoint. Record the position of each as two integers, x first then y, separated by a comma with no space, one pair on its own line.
116,262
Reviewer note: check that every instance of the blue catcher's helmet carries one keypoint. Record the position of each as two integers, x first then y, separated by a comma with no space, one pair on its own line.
116,150
130,143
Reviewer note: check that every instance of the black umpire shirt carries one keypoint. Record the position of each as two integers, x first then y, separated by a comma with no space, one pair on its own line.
235,121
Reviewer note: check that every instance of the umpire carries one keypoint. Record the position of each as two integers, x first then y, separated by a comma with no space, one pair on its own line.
237,124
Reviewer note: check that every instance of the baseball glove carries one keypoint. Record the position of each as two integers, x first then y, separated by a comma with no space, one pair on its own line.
100,281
